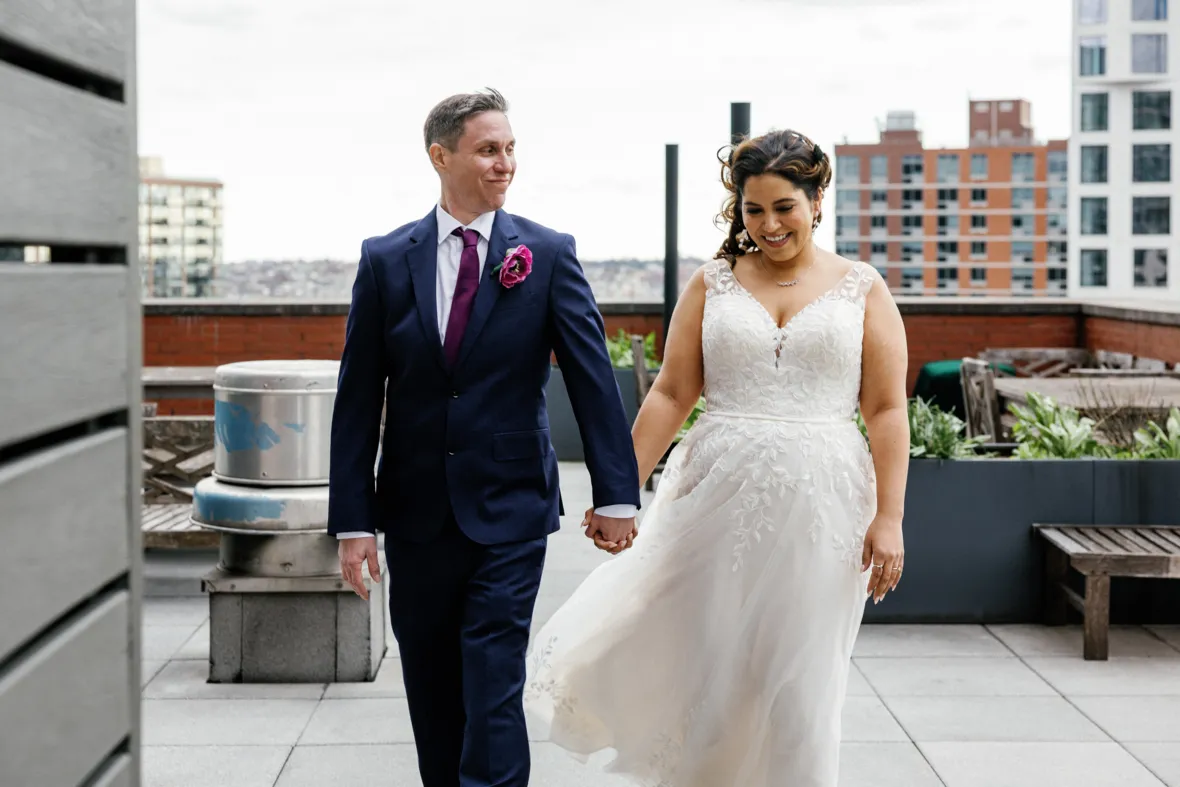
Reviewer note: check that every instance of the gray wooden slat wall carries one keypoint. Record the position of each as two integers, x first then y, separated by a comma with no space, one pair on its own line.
70,433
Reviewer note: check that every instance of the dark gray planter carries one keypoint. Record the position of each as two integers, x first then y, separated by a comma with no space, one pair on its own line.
563,427
971,554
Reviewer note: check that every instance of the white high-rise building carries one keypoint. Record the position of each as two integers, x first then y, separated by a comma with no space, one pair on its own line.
179,232
1122,194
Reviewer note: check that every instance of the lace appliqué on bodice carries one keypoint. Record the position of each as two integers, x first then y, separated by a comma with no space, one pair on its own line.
809,368
788,385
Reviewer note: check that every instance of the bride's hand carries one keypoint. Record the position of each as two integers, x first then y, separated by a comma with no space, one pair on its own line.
884,551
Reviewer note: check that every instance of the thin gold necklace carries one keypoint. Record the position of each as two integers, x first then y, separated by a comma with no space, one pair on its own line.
792,282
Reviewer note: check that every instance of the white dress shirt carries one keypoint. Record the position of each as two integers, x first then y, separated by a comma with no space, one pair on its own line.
450,253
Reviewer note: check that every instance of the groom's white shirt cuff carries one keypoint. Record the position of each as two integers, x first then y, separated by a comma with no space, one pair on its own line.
621,511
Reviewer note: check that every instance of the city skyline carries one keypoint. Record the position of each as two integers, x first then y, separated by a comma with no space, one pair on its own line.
307,119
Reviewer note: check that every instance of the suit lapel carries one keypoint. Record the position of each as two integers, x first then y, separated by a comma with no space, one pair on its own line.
503,233
422,259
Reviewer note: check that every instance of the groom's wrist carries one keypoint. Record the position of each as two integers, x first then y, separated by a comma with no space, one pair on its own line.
618,511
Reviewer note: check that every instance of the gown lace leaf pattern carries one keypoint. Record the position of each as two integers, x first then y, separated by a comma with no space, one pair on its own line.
716,650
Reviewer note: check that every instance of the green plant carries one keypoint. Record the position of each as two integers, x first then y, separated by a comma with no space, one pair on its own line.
935,433
1048,430
697,409
1156,442
621,356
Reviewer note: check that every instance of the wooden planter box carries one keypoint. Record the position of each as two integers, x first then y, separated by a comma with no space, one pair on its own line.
972,555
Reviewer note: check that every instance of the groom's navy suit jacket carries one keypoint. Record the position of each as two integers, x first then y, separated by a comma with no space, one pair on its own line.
470,440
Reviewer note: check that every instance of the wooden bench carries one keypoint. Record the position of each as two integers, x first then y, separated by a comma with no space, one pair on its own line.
1099,553
167,526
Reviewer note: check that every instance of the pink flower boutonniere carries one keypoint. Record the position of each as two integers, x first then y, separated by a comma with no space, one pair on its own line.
515,267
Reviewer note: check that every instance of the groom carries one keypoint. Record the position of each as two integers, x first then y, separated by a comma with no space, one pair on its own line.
452,324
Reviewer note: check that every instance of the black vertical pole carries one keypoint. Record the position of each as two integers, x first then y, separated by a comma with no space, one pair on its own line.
671,223
739,121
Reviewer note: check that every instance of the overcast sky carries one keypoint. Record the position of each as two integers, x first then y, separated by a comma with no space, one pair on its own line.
311,112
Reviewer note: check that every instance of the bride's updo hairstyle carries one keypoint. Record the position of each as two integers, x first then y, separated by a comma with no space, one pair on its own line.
789,155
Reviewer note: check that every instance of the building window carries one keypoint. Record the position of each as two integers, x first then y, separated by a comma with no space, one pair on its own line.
848,250
1152,109
1022,224
979,223
1093,267
1151,163
1023,166
1091,12
1093,55
979,276
911,279
948,168
878,197
879,169
911,252
1093,216
948,197
911,225
978,248
846,199
1058,165
979,166
948,278
1022,279
1093,163
1056,223
1022,251
948,225
948,251
848,169
1151,215
1149,53
1022,198
1149,10
979,196
911,169
1058,197
1095,111
911,198
877,251
1151,267
847,225
877,222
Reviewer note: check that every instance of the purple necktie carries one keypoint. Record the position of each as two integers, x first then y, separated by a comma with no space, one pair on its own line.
465,287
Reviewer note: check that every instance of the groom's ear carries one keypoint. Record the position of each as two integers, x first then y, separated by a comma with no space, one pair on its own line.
438,156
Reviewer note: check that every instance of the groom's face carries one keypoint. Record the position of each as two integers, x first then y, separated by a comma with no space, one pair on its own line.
480,169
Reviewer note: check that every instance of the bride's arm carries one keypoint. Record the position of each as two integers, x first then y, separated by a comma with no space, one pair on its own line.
884,406
677,387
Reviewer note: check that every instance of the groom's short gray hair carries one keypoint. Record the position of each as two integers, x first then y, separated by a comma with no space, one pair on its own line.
446,121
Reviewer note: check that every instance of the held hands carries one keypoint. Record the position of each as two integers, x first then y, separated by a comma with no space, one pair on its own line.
885,553
354,553
610,534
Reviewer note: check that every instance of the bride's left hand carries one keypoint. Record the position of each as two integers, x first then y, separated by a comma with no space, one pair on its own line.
885,552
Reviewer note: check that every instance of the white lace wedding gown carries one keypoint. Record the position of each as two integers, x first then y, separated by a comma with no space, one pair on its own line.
715,652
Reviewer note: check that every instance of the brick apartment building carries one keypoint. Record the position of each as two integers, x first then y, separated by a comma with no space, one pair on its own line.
987,219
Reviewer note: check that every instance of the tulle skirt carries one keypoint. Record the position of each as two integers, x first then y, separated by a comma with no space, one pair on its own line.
715,652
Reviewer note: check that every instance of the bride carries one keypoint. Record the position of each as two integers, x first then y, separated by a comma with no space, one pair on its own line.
715,653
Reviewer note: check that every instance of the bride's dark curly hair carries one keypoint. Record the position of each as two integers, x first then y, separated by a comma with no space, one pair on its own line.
787,154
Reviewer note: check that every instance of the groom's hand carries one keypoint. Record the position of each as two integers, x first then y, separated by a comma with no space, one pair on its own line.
354,553
611,534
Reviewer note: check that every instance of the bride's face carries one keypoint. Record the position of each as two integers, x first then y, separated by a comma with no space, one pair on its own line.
778,216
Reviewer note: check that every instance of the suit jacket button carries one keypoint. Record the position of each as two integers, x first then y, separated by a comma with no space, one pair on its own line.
450,453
